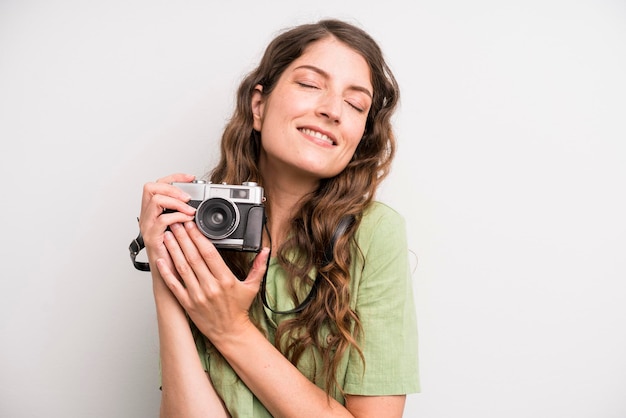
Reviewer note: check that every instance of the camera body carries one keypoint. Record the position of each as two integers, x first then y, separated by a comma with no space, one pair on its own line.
231,216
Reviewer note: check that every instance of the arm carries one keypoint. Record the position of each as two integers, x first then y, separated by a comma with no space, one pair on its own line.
186,389
285,392
376,406
218,304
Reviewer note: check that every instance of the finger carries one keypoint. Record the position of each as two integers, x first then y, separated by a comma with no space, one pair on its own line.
179,259
161,205
215,262
181,177
160,198
186,258
164,186
259,267
165,196
173,282
164,203
210,255
153,220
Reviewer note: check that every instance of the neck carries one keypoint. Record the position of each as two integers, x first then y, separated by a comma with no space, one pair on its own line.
284,197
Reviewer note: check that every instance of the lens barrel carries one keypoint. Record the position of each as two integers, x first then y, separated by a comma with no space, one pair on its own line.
217,218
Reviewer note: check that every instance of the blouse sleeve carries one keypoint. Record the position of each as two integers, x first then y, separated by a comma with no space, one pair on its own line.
383,299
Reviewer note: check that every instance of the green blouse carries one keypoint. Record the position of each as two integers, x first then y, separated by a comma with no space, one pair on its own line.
382,296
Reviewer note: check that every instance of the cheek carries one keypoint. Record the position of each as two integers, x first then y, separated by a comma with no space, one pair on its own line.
275,115
273,126
356,134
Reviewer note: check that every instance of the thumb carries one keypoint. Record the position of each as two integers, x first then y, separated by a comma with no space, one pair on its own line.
259,267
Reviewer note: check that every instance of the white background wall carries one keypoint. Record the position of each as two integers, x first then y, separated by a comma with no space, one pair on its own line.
511,174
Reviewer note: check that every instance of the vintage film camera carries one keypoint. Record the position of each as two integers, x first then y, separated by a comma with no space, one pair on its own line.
231,216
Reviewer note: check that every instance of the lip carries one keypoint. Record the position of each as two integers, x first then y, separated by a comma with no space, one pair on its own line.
314,134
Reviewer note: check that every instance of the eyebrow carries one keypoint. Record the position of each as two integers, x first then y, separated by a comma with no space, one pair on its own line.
326,75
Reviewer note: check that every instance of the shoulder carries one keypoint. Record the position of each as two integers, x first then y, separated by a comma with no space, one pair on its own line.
380,222
378,213
381,238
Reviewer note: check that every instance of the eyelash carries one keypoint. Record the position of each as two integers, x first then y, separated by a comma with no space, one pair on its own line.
310,86
358,109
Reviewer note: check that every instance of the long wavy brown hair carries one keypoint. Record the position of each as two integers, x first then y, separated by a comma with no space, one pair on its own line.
313,225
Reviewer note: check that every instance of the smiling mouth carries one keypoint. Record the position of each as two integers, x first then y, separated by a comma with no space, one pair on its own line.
317,135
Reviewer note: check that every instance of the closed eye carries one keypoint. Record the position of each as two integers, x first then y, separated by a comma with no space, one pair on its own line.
355,107
306,85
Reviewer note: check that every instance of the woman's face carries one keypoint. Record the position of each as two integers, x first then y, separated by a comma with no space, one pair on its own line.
313,120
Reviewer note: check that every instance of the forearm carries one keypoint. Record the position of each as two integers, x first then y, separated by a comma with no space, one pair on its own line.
278,384
186,389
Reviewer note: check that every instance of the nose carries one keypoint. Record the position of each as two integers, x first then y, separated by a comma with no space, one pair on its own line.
329,107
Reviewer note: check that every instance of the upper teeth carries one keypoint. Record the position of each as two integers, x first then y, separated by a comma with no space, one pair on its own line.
317,135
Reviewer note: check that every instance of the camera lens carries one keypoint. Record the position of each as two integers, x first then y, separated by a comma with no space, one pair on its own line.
217,218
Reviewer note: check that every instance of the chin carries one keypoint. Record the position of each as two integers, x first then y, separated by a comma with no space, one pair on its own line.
323,172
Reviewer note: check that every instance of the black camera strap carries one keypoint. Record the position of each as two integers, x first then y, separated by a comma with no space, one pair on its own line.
343,226
135,248
137,245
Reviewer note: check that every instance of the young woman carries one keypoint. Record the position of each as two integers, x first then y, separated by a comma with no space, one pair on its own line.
312,126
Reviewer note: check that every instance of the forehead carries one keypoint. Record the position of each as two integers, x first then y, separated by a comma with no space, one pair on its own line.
336,59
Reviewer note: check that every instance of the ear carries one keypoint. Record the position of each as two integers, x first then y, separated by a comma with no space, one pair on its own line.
258,106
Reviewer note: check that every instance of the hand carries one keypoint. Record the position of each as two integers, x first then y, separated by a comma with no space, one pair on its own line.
215,300
153,223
